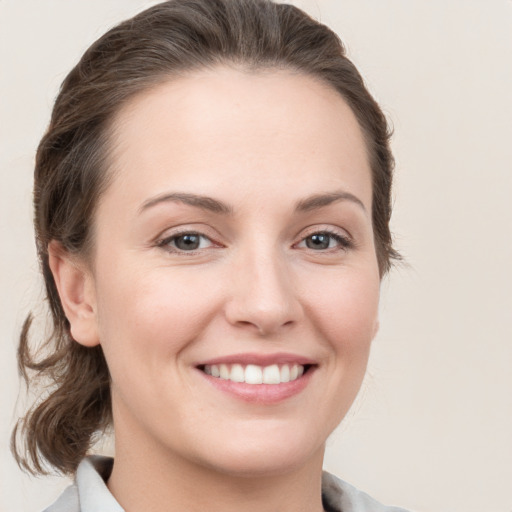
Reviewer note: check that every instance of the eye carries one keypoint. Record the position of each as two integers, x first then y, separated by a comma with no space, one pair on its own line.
324,240
185,242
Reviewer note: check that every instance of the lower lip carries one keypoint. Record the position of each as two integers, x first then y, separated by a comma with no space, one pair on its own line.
261,393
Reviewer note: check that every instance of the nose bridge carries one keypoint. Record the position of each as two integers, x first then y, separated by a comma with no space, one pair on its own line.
263,294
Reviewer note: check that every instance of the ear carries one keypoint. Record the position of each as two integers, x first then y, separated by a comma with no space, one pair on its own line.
77,294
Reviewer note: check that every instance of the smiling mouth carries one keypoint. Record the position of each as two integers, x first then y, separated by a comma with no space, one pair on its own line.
255,374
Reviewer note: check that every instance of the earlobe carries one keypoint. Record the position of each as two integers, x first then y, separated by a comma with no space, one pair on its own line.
75,286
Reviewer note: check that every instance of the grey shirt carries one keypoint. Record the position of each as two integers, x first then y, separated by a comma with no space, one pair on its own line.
89,493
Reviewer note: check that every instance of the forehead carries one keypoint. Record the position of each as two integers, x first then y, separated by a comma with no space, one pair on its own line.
240,126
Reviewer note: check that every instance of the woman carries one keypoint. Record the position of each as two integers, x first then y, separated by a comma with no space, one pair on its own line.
212,205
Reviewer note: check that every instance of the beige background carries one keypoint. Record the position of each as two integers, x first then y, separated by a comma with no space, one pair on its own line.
432,429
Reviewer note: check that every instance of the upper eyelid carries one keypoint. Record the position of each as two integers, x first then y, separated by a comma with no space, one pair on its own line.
164,239
184,230
319,228
344,241
165,244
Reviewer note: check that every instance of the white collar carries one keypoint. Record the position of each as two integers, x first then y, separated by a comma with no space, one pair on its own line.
90,493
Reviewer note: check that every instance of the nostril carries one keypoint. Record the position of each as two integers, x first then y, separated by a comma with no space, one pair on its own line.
262,308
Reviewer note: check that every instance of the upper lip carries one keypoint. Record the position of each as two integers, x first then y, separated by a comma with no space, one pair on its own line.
259,359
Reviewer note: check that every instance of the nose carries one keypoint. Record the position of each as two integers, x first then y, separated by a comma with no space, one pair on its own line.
263,296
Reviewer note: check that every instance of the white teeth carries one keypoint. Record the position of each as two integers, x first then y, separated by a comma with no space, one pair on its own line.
285,373
271,374
254,374
224,372
237,373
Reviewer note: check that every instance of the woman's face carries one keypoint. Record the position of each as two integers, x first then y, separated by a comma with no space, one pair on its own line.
235,239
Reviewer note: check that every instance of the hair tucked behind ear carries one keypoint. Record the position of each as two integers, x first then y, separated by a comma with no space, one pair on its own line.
71,173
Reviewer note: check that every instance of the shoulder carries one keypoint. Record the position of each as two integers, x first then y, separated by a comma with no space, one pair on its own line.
340,496
89,493
67,502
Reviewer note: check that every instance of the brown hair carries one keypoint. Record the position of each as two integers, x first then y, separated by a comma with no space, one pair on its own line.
70,175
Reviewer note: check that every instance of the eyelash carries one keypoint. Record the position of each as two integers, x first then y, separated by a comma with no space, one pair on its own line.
165,243
345,243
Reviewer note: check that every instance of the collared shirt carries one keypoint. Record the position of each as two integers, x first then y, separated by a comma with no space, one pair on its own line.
89,493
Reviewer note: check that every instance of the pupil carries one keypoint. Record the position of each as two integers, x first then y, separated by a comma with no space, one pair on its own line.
187,242
318,241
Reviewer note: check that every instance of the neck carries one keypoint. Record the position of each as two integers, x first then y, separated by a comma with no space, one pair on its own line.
153,481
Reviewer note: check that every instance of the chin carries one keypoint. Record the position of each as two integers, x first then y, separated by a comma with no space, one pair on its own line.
265,454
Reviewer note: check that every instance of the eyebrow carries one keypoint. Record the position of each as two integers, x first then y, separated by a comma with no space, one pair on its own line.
198,201
320,200
307,204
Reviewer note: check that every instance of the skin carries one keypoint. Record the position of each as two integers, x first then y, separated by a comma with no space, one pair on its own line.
259,142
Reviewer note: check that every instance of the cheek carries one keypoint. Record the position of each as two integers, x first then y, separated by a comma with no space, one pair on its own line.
154,313
145,323
345,310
